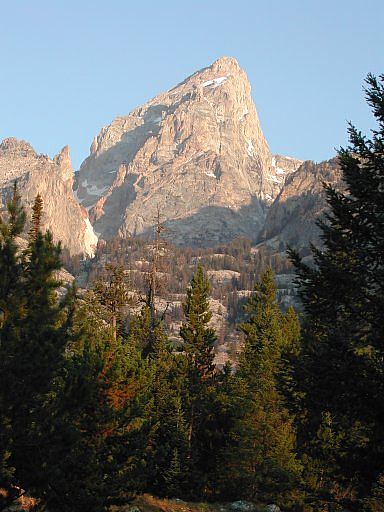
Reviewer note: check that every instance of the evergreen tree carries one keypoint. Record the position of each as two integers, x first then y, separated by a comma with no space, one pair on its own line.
147,332
32,347
261,454
342,373
11,264
173,475
167,468
168,435
11,311
97,422
113,294
140,329
199,340
224,415
290,355
37,212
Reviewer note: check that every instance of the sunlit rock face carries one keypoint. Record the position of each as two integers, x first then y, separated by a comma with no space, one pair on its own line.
53,180
196,153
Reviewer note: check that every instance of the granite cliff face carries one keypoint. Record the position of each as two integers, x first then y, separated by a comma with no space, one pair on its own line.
292,217
196,153
53,179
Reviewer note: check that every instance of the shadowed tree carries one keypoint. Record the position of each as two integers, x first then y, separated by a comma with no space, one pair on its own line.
342,372
261,456
200,374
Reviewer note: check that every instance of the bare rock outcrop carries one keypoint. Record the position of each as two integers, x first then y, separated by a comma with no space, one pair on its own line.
301,202
52,179
196,152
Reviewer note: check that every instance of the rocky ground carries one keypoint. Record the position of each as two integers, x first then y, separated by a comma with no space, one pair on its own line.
147,503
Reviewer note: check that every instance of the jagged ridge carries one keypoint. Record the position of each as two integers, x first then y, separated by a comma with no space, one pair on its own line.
53,180
197,152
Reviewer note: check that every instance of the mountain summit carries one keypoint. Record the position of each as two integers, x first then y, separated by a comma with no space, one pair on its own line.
52,179
196,152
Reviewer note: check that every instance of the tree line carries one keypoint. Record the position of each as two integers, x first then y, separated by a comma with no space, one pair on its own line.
93,412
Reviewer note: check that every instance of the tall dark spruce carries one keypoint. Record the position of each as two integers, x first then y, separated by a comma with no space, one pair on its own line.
11,310
342,371
31,349
199,339
261,462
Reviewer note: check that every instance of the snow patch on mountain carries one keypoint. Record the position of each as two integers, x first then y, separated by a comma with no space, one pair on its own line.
90,239
250,147
215,82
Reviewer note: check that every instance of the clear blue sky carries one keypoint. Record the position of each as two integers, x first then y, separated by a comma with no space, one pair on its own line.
69,67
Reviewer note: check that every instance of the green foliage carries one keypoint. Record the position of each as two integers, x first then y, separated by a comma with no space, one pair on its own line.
199,340
140,329
37,212
73,395
289,357
174,474
31,351
11,310
10,262
167,467
341,371
261,456
99,408
112,292
178,264
148,334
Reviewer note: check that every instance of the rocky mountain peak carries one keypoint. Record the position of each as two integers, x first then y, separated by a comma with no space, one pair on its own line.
196,151
226,64
52,179
63,156
63,160
219,71
16,146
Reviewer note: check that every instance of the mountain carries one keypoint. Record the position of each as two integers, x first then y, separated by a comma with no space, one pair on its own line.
53,179
291,219
196,154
